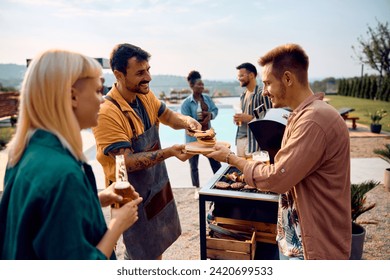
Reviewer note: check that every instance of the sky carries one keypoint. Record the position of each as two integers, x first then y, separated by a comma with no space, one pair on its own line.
212,37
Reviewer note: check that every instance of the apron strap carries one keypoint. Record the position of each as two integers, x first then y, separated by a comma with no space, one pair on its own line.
135,136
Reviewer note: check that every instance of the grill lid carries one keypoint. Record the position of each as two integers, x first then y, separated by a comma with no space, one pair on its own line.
269,130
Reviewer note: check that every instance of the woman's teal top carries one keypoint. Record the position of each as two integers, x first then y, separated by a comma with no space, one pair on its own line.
50,208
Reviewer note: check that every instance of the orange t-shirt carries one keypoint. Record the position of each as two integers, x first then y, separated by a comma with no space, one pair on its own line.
114,130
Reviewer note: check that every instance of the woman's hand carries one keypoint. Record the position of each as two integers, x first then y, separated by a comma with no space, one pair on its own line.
108,196
127,215
206,118
121,219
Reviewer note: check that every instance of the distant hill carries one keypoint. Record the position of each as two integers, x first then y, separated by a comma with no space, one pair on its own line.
11,75
167,83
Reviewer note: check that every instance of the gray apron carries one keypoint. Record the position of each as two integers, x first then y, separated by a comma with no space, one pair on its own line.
158,224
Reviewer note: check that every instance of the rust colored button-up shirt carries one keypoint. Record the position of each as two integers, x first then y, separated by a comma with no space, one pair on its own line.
313,166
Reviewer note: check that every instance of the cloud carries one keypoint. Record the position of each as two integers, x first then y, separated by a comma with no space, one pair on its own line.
204,25
46,3
103,8
210,35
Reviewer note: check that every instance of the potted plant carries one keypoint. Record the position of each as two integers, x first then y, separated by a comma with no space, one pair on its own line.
358,207
376,117
385,155
13,119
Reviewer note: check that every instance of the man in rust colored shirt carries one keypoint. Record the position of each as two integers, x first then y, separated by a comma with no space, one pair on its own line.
312,168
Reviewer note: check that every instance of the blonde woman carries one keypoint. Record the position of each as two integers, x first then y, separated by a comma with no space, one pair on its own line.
50,208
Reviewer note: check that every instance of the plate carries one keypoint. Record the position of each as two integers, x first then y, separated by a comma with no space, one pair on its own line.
196,148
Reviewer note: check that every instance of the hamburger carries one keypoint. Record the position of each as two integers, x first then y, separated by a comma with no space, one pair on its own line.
206,137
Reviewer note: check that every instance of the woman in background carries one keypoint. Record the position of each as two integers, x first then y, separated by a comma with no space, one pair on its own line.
202,108
50,208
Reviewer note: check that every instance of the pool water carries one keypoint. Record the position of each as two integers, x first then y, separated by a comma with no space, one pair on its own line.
223,125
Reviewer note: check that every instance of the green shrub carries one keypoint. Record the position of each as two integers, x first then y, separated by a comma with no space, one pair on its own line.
384,153
6,134
358,198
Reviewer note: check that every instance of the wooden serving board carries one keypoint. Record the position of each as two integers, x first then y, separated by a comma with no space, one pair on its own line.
196,148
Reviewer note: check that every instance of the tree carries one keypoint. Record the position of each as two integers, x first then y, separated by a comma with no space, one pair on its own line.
384,92
367,87
354,87
374,88
375,51
341,89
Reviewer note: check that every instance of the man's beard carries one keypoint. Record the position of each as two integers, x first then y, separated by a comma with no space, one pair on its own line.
138,89
244,84
281,99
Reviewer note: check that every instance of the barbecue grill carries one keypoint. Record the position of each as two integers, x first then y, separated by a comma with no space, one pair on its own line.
239,205
245,205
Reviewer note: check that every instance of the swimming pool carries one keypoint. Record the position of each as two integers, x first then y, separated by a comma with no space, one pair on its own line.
223,125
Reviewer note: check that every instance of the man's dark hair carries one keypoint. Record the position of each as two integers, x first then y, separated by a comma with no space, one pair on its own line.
249,67
121,54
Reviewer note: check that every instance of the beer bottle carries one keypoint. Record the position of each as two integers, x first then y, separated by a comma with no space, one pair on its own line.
199,112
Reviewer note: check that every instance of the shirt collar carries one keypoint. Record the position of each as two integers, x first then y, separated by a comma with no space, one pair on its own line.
192,99
305,103
115,94
46,138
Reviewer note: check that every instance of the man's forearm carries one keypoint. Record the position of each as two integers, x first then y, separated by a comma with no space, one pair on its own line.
180,121
174,119
237,162
142,160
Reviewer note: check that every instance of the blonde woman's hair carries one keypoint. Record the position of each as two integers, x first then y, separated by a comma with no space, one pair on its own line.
45,100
